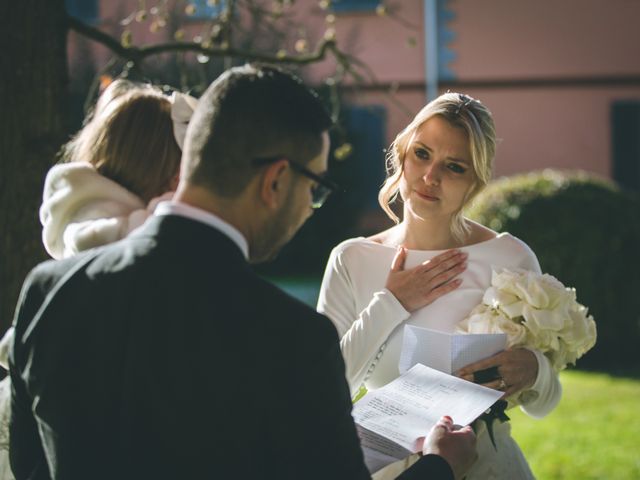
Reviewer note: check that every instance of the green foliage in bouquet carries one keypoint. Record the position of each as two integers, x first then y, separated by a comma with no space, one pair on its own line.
586,232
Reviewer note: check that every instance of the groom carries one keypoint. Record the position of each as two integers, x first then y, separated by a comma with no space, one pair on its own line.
165,356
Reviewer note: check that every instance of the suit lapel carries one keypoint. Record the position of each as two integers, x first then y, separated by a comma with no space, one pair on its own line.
53,294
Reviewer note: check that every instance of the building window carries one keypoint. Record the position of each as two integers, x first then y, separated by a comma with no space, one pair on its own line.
446,36
354,5
625,118
85,10
366,131
206,9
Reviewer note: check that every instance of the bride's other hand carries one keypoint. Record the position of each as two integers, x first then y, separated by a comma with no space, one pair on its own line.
512,371
421,285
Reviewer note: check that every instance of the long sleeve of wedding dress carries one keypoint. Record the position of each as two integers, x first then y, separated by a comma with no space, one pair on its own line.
361,333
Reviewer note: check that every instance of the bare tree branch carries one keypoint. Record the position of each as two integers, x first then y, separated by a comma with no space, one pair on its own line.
319,54
101,37
136,54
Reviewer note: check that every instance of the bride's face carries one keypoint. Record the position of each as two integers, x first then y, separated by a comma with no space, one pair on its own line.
438,170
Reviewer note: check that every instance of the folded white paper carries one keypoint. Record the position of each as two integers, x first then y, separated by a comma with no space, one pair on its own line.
391,419
447,352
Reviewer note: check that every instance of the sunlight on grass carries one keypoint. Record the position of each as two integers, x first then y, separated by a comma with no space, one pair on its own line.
593,434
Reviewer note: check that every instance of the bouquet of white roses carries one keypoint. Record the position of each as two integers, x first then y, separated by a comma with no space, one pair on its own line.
535,311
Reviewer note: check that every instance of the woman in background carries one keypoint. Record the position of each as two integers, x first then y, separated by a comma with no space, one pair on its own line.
115,170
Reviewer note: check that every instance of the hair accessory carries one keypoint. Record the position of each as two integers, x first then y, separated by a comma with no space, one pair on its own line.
182,108
466,101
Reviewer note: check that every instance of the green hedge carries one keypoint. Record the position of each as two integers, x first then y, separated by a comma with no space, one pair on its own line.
586,232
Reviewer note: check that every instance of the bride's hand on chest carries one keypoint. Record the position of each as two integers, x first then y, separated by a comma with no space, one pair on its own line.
421,285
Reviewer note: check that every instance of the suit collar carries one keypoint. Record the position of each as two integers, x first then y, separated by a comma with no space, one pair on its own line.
208,218
188,235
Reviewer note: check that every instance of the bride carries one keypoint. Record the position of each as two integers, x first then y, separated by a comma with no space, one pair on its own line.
433,267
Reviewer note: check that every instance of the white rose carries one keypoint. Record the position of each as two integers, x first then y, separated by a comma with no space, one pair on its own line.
508,303
507,280
514,310
544,292
494,297
592,335
580,332
516,332
481,320
493,321
538,320
540,291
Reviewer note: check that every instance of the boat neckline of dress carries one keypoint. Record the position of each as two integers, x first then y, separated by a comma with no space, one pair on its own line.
477,244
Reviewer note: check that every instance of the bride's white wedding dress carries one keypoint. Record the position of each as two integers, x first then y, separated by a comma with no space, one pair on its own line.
5,410
367,316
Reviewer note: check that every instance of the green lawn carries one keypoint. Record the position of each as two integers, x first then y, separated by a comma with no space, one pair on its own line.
594,433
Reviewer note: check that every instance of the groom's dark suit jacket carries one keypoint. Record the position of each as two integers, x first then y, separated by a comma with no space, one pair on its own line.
165,356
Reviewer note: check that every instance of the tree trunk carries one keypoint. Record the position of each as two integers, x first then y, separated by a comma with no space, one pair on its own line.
32,100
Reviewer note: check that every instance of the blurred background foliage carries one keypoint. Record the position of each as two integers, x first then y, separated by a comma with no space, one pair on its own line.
585,231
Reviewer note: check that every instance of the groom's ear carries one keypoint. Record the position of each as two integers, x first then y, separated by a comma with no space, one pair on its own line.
274,183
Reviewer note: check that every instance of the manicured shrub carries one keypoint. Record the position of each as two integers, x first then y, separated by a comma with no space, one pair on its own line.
586,232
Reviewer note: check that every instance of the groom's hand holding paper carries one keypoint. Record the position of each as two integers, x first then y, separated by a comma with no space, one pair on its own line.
392,420
456,445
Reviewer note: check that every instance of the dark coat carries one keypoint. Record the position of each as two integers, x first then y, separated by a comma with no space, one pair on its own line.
165,356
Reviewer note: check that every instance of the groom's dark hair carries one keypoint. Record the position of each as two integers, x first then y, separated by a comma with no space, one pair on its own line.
251,112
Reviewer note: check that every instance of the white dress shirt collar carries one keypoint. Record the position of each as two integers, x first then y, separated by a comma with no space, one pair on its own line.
183,210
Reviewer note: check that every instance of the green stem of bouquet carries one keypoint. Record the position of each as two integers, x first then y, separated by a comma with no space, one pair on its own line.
496,412
362,391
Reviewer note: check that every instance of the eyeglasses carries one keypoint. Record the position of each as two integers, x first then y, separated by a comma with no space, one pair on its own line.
319,192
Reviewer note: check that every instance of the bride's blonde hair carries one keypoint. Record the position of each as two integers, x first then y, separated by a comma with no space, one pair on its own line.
461,111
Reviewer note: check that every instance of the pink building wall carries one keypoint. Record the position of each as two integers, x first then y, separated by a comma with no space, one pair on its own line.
583,54
382,42
560,127
523,39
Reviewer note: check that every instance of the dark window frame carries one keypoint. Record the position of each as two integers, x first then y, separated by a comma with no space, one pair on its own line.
348,6
85,10
206,12
625,139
